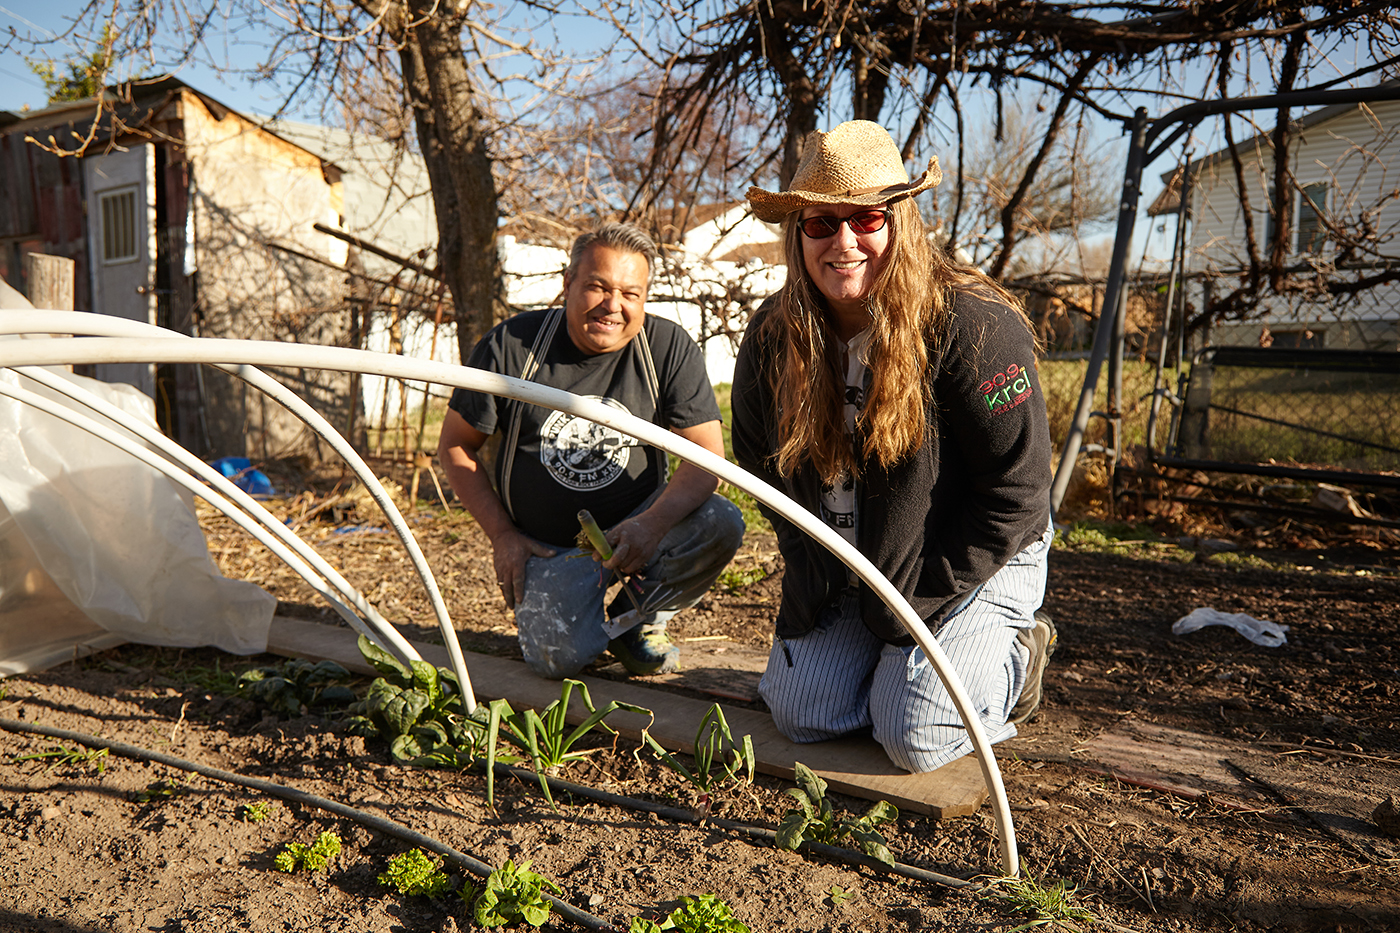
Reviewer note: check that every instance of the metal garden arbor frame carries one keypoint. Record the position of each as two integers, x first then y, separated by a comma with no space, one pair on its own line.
1143,149
160,346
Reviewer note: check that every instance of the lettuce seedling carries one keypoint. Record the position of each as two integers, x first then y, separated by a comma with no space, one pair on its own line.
414,873
315,857
703,914
513,894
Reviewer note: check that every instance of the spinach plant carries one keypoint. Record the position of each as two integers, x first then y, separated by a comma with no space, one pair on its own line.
287,687
417,710
513,894
815,820
713,743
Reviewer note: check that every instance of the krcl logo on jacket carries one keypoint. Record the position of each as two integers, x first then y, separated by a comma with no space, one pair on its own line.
1006,390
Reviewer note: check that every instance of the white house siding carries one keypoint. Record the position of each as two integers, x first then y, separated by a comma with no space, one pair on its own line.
115,285
1357,155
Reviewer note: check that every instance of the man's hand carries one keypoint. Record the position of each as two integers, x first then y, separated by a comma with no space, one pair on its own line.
510,551
634,541
458,452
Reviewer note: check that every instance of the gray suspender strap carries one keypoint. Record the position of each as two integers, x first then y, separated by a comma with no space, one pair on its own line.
513,411
663,463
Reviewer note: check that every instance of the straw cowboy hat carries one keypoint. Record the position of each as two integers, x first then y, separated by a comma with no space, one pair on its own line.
856,163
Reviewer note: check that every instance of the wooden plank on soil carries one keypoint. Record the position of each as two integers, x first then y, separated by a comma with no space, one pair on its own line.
1187,764
1339,794
858,767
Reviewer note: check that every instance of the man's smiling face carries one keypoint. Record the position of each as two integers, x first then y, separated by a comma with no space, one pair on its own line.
605,298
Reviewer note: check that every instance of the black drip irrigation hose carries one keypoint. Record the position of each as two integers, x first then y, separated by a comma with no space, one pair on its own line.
461,859
836,853
381,824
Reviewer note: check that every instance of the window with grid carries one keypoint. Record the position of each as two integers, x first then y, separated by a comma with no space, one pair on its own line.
119,227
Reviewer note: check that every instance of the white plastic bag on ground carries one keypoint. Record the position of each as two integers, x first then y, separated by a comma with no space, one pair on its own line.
1259,631
116,537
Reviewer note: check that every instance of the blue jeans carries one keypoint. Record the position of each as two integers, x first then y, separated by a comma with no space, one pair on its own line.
562,616
839,678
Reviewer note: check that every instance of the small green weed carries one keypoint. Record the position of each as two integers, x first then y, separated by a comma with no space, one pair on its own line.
68,757
289,687
733,579
703,914
838,895
159,791
815,820
1029,897
1238,561
414,873
209,679
256,812
315,857
712,741
513,894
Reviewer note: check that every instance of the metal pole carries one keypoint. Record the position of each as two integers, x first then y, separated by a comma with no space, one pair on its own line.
1177,272
1103,335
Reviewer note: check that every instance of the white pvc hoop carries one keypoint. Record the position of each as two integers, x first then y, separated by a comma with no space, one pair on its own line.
303,559
77,322
263,353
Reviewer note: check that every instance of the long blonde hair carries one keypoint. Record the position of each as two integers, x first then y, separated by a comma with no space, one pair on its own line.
910,303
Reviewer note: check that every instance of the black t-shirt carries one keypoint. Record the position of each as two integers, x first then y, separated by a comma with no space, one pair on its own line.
579,464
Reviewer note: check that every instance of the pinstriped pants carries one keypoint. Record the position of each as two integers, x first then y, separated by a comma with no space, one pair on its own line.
839,678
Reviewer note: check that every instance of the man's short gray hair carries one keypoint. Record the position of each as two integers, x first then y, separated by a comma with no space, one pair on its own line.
626,238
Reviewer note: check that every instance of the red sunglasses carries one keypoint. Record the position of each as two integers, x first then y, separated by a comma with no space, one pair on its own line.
823,226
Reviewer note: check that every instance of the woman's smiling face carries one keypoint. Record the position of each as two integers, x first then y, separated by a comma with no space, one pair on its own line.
845,265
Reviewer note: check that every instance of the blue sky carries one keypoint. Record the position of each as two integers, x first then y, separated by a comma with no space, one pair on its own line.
240,49
21,86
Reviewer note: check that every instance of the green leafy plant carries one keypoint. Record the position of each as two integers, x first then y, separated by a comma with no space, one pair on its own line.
315,857
256,812
418,711
815,820
415,873
703,914
513,894
159,791
70,757
838,895
545,737
713,743
287,687
1042,904
209,679
733,579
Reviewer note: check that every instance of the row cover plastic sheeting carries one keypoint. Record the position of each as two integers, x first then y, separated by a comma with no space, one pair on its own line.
114,537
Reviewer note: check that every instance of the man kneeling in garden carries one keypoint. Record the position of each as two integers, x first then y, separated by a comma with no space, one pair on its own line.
670,539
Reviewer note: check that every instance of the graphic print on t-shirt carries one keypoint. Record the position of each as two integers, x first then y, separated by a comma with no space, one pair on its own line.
580,454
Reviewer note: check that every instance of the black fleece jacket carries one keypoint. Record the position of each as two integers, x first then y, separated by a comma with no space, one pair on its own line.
941,522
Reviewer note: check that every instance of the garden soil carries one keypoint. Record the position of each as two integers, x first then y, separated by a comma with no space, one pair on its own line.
1246,788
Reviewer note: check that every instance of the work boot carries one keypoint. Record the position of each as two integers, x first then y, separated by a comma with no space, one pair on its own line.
646,649
1041,640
